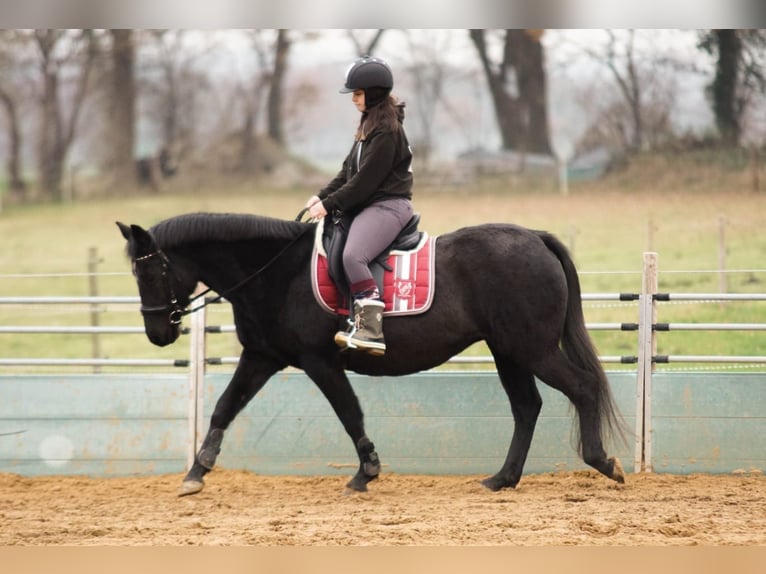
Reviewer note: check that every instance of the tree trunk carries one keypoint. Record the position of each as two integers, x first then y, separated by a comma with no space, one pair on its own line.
725,102
57,132
506,113
50,158
247,150
16,184
529,60
522,118
122,118
274,103
630,86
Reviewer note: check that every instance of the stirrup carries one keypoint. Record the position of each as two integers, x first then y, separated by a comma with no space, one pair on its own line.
343,338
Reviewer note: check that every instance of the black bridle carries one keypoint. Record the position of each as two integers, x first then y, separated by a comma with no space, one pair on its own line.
175,312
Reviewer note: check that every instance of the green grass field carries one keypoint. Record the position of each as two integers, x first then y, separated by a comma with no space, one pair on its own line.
608,227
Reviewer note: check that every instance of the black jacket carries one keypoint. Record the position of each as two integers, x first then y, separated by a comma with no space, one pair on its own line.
379,167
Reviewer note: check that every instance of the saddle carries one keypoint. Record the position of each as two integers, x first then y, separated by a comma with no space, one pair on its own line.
403,271
334,238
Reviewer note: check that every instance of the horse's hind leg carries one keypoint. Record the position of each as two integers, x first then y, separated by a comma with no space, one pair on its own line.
584,390
519,385
249,377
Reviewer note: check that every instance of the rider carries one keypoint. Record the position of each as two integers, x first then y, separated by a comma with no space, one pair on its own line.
375,186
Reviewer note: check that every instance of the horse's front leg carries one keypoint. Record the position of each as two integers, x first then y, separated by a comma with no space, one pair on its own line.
249,377
369,465
335,386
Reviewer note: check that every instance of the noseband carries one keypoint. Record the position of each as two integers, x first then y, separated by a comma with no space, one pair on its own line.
172,309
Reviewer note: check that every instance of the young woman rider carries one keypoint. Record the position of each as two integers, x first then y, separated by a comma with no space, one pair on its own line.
375,186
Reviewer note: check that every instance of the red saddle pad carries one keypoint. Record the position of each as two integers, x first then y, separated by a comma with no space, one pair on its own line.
407,290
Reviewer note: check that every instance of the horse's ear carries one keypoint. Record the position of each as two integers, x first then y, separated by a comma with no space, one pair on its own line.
142,238
124,229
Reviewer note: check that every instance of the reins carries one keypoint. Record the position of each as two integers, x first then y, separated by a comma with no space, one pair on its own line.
247,279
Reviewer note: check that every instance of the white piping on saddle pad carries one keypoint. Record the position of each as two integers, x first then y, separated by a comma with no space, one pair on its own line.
318,238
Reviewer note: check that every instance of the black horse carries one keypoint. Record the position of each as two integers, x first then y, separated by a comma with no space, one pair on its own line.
515,288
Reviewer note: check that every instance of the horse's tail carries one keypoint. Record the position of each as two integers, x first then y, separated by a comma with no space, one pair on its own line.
578,346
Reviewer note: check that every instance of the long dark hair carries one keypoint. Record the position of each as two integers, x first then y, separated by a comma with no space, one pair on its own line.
386,116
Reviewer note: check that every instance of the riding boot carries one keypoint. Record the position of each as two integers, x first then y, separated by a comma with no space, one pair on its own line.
366,332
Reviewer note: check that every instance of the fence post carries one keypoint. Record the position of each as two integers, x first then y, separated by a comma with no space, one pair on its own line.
197,353
94,308
647,344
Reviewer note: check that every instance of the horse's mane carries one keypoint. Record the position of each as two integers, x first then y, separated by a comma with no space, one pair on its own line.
222,227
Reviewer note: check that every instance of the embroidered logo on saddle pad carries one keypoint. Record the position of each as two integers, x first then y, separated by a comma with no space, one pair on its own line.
407,290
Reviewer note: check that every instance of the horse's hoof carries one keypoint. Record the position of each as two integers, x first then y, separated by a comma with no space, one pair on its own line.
493,483
190,487
618,473
355,486
352,491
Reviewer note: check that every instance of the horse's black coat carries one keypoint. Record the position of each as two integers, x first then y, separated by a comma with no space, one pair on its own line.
515,288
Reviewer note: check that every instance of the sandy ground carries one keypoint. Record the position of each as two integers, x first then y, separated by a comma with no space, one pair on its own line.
242,508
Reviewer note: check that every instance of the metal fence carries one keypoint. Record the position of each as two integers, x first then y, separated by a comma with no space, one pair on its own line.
197,359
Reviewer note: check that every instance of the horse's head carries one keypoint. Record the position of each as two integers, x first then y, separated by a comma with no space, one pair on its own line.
164,296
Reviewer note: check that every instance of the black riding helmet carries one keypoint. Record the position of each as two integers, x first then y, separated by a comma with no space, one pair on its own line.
371,75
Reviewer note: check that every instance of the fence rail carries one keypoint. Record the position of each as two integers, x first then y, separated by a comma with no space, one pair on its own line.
656,327
651,299
56,330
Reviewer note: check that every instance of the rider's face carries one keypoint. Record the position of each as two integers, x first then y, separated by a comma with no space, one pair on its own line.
357,98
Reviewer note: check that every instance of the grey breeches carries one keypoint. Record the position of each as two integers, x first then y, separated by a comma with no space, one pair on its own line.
373,229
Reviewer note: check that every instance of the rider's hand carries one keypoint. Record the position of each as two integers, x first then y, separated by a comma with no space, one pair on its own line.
317,210
312,200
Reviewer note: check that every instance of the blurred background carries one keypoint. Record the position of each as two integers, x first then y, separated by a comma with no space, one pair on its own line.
619,141
109,112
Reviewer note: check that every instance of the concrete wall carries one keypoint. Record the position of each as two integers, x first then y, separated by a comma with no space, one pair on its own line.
708,422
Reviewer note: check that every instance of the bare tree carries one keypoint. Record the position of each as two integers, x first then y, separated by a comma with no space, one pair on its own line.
172,83
11,98
267,116
60,51
122,117
627,78
16,183
631,112
429,72
740,74
247,134
260,94
277,80
365,41
517,86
